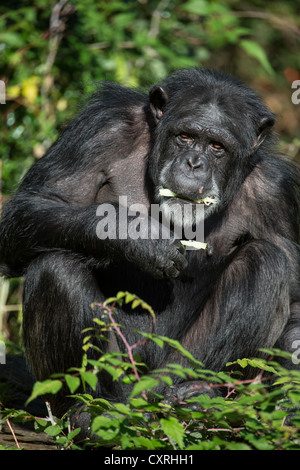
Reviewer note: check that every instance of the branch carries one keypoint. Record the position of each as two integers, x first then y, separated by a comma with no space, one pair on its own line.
156,16
13,433
281,23
60,12
128,347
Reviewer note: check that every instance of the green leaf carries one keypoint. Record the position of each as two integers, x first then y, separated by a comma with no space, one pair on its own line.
176,345
72,382
157,340
83,397
138,402
53,430
122,408
90,378
98,321
102,422
43,388
237,446
173,429
260,443
74,433
261,364
106,427
120,295
242,362
256,51
150,444
135,303
198,7
41,422
129,297
294,396
145,383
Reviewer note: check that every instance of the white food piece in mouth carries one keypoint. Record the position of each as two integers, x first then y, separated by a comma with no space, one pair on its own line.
206,200
166,192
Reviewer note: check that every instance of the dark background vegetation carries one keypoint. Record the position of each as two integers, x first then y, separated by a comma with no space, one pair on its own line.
52,52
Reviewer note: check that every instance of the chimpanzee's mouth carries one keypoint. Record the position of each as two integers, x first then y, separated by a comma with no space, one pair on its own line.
208,201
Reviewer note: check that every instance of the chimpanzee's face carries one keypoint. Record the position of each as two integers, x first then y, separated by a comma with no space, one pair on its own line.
205,142
196,154
196,157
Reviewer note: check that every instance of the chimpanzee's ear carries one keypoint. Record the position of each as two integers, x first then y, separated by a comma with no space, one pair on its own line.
264,128
158,99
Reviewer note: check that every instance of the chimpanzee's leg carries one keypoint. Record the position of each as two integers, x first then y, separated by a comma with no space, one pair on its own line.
58,292
290,339
247,310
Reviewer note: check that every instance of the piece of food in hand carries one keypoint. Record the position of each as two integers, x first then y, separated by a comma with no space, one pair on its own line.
194,244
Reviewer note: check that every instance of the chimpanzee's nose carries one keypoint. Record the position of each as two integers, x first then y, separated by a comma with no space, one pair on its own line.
196,162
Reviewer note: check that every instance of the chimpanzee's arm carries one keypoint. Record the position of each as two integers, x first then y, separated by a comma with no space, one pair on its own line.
92,162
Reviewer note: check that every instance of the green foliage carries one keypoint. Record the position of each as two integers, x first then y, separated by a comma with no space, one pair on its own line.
47,64
248,415
255,419
47,386
137,43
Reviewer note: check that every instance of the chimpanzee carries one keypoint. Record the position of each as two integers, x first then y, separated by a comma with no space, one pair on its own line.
199,138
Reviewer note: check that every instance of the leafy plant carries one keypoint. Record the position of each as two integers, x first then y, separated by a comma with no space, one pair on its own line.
249,415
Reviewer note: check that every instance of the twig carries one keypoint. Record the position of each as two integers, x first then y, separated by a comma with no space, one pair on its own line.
13,433
281,23
226,429
156,16
59,15
57,27
11,308
50,413
128,347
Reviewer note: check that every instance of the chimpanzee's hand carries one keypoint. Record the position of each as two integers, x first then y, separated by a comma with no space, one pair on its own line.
159,258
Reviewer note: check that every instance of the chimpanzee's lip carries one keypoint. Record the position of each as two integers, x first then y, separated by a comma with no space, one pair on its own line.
208,201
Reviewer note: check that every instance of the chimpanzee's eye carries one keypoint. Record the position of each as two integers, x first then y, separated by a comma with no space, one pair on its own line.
216,146
185,138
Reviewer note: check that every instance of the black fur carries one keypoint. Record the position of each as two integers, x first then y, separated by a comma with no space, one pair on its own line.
239,295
